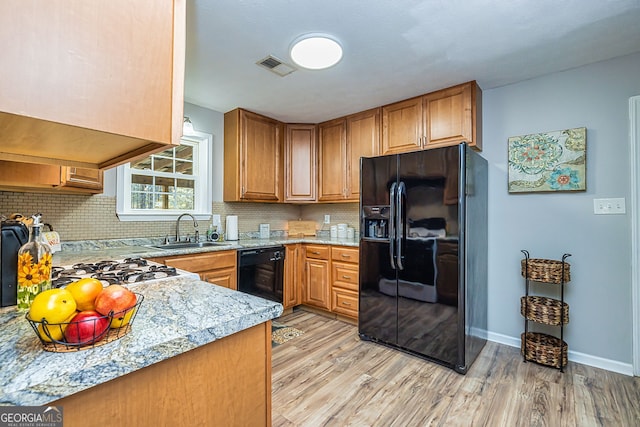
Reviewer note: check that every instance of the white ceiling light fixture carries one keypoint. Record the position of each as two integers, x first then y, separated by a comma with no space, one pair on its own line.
187,126
316,51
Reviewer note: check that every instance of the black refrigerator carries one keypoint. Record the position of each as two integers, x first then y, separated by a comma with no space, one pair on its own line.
423,253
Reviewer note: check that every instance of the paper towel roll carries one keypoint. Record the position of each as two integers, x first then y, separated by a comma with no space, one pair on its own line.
232,227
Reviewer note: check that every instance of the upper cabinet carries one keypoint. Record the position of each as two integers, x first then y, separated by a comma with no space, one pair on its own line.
441,118
341,144
402,126
90,83
300,160
20,176
332,160
363,140
253,152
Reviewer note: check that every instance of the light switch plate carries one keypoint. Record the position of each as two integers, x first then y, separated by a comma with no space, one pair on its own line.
614,206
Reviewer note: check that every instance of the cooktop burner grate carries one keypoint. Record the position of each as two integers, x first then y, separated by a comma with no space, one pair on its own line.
129,270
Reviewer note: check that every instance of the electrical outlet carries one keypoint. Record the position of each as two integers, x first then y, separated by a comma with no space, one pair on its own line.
327,219
609,206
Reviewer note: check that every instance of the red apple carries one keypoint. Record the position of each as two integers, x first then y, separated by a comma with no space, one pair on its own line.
86,327
114,298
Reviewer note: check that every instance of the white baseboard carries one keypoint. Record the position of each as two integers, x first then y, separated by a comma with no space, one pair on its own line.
574,356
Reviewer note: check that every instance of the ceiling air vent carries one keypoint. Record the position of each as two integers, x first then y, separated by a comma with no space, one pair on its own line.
275,65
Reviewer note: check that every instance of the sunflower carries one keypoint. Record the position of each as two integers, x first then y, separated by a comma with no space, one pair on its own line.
24,259
44,266
28,276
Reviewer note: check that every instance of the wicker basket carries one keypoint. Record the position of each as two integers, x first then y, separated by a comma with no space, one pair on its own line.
544,349
546,270
53,330
545,310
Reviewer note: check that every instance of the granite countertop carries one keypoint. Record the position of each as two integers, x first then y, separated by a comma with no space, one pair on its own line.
177,315
94,250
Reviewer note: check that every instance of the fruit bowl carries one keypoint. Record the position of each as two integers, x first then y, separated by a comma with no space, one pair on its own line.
86,333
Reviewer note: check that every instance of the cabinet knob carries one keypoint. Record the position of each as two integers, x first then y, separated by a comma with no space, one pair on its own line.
346,256
346,303
346,277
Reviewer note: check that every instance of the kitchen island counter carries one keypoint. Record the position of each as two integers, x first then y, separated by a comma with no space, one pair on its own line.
178,317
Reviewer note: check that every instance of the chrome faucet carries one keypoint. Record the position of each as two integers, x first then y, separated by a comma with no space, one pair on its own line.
195,224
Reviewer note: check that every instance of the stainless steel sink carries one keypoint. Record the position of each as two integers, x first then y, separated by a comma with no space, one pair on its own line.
189,245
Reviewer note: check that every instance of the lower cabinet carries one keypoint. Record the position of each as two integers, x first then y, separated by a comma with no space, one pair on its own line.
344,281
319,276
330,279
293,265
316,290
219,267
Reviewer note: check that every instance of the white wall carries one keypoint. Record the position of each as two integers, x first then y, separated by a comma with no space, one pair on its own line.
548,225
209,121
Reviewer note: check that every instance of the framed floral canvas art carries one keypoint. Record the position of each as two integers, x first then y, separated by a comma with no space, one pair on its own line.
550,161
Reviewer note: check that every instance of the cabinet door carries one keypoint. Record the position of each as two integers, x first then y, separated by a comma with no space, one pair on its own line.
226,277
90,179
292,275
17,176
402,127
449,115
317,283
260,158
253,146
300,163
363,140
332,160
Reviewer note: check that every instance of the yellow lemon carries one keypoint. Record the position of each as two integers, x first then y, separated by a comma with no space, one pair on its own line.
119,320
53,305
55,331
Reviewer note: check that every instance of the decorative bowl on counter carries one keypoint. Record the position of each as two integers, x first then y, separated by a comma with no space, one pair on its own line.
91,330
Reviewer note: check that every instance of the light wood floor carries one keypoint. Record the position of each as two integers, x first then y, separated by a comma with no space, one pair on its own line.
329,377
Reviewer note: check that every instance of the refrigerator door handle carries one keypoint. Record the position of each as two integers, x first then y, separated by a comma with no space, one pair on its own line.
392,229
400,223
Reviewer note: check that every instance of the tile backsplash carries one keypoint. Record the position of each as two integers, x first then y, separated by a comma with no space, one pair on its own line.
82,217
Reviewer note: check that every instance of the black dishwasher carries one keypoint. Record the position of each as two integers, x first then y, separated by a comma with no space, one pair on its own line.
260,272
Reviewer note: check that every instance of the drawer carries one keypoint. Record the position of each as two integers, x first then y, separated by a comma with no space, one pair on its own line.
317,251
344,302
203,261
344,275
344,254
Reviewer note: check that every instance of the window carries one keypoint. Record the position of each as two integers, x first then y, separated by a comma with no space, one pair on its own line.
166,184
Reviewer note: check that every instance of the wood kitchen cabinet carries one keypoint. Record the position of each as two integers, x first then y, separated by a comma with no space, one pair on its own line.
90,179
330,279
253,157
18,176
293,268
300,163
363,140
402,126
90,83
317,291
332,160
442,118
218,267
344,281
341,144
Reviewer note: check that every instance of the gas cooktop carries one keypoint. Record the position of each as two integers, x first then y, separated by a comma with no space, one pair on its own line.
128,270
